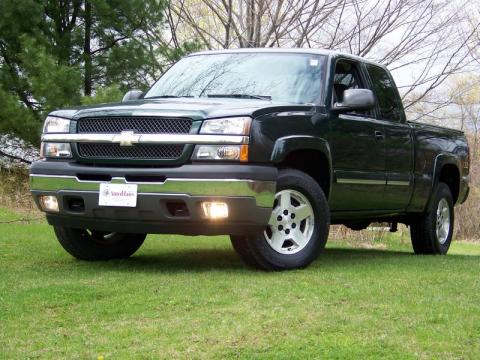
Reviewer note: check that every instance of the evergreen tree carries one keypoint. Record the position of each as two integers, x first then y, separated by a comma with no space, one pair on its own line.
57,53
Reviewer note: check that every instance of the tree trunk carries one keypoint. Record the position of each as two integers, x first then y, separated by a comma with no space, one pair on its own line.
87,56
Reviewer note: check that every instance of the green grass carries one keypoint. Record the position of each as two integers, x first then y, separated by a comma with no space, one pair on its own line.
190,297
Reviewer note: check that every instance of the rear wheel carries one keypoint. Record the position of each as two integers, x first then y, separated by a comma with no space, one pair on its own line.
432,232
297,230
97,245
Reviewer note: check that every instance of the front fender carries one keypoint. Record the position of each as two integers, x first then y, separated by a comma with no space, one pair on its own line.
286,145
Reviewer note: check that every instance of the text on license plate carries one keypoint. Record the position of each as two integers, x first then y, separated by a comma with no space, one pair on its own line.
118,195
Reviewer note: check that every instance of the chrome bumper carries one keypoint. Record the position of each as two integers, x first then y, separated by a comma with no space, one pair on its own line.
262,191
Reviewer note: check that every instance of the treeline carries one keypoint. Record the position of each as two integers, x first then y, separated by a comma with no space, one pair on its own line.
57,53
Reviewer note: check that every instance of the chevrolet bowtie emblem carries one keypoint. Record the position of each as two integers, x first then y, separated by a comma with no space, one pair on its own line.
126,138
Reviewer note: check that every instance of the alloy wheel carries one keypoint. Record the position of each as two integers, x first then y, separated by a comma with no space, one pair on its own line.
443,221
291,224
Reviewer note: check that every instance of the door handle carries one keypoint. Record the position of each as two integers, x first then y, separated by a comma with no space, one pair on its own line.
379,135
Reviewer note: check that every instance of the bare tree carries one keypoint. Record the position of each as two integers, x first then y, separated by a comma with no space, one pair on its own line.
423,42
253,23
465,92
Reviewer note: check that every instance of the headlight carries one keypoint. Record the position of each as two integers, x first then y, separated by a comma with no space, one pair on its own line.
221,152
230,126
55,150
56,125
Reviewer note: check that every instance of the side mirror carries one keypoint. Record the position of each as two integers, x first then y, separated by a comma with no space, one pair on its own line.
133,95
355,100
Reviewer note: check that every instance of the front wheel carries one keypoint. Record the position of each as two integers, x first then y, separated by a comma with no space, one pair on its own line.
431,233
298,226
94,245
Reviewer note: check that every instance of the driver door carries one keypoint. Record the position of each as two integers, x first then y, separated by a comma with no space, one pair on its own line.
357,148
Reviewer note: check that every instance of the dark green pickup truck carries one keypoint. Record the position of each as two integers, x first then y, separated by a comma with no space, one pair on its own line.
267,146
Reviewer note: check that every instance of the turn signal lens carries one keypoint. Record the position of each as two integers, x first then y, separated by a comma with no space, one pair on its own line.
221,152
244,153
56,150
49,203
215,210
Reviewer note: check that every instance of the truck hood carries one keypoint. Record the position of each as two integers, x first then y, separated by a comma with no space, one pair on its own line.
195,108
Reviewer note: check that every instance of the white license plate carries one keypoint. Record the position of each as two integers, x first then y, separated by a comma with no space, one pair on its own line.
124,195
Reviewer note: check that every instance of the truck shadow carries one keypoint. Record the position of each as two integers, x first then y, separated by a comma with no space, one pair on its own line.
196,260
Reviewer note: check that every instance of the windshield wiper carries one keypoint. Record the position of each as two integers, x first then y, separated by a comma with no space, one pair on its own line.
166,97
240,96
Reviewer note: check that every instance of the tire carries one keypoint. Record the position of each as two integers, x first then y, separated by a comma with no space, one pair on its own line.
240,246
297,230
95,245
432,232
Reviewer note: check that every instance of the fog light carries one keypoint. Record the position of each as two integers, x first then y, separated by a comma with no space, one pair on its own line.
215,210
49,203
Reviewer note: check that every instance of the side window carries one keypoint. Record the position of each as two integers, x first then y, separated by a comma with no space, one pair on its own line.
347,76
387,97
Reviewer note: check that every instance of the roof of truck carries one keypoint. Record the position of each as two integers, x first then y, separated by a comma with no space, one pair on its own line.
330,53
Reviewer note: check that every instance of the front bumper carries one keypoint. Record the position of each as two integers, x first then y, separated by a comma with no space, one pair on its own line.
249,191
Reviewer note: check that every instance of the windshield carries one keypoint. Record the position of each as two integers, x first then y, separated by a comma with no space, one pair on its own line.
294,78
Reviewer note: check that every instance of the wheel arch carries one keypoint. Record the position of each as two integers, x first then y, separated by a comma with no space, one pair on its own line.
447,170
309,154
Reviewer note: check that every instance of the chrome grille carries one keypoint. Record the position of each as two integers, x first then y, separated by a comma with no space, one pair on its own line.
139,151
145,125
137,124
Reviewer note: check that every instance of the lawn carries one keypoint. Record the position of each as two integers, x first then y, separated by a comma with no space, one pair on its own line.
191,297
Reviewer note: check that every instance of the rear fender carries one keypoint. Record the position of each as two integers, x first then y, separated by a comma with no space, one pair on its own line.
440,161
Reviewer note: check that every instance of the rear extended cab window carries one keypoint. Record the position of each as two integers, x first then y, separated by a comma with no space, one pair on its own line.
388,100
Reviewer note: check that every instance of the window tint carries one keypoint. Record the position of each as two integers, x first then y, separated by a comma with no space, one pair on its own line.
348,80
387,97
347,77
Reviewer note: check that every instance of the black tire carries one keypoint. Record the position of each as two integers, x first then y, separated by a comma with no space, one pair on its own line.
95,245
240,245
256,251
423,230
